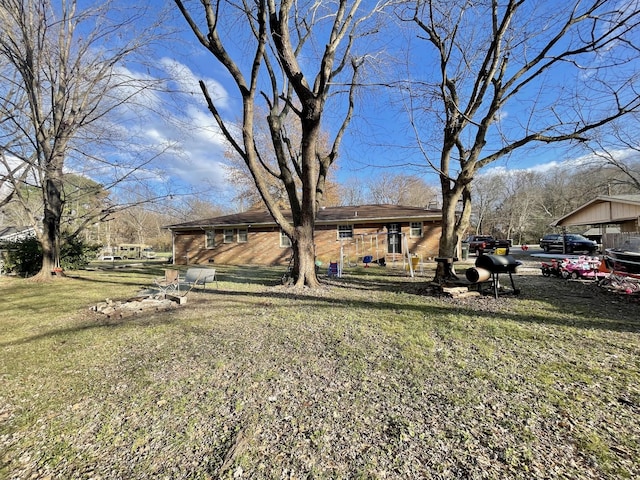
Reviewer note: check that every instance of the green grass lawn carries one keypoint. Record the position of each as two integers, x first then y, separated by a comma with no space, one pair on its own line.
367,377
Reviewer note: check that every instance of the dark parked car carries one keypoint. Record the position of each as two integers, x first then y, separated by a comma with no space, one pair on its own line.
572,241
480,244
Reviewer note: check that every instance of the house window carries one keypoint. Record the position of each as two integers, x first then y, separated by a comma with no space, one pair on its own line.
394,237
228,235
209,239
345,231
285,242
416,229
243,235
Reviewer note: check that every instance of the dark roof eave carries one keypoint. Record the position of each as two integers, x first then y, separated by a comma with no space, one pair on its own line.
386,219
203,226
330,216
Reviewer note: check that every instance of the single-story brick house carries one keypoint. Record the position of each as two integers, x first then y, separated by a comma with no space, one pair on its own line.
385,232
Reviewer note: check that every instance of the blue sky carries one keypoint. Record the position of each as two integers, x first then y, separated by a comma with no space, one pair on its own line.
378,140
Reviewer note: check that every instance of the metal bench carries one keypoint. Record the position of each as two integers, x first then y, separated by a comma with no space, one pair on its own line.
199,276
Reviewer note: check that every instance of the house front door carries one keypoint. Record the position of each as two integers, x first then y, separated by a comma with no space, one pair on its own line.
394,245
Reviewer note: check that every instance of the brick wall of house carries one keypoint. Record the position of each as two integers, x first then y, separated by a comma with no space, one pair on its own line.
371,239
262,248
263,245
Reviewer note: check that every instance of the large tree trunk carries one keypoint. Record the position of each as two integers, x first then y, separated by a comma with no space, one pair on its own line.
454,225
50,237
305,251
448,241
304,267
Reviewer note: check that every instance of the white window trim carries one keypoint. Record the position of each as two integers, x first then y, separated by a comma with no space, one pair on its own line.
285,242
411,229
349,232
226,238
210,245
246,235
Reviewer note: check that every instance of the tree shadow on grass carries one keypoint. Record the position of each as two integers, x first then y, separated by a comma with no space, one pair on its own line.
556,301
97,321
110,281
240,274
266,276
565,304
576,303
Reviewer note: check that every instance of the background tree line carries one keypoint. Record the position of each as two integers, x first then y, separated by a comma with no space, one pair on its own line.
517,204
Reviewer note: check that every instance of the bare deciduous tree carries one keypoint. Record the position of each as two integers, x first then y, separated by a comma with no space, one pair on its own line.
512,74
618,156
299,54
352,192
238,174
487,197
400,189
63,76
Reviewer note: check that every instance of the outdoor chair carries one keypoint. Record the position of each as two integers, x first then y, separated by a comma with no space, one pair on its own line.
169,282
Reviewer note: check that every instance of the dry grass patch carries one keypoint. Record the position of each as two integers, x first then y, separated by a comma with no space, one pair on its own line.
364,378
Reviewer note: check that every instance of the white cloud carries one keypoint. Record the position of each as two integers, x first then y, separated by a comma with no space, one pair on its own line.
126,84
199,141
593,158
544,167
184,130
188,82
198,146
174,124
501,116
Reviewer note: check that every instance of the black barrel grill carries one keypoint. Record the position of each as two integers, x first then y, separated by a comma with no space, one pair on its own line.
491,266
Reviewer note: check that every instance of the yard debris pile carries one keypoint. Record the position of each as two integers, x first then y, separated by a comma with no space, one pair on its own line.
134,306
621,284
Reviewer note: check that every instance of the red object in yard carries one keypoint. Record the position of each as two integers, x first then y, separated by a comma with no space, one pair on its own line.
582,267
